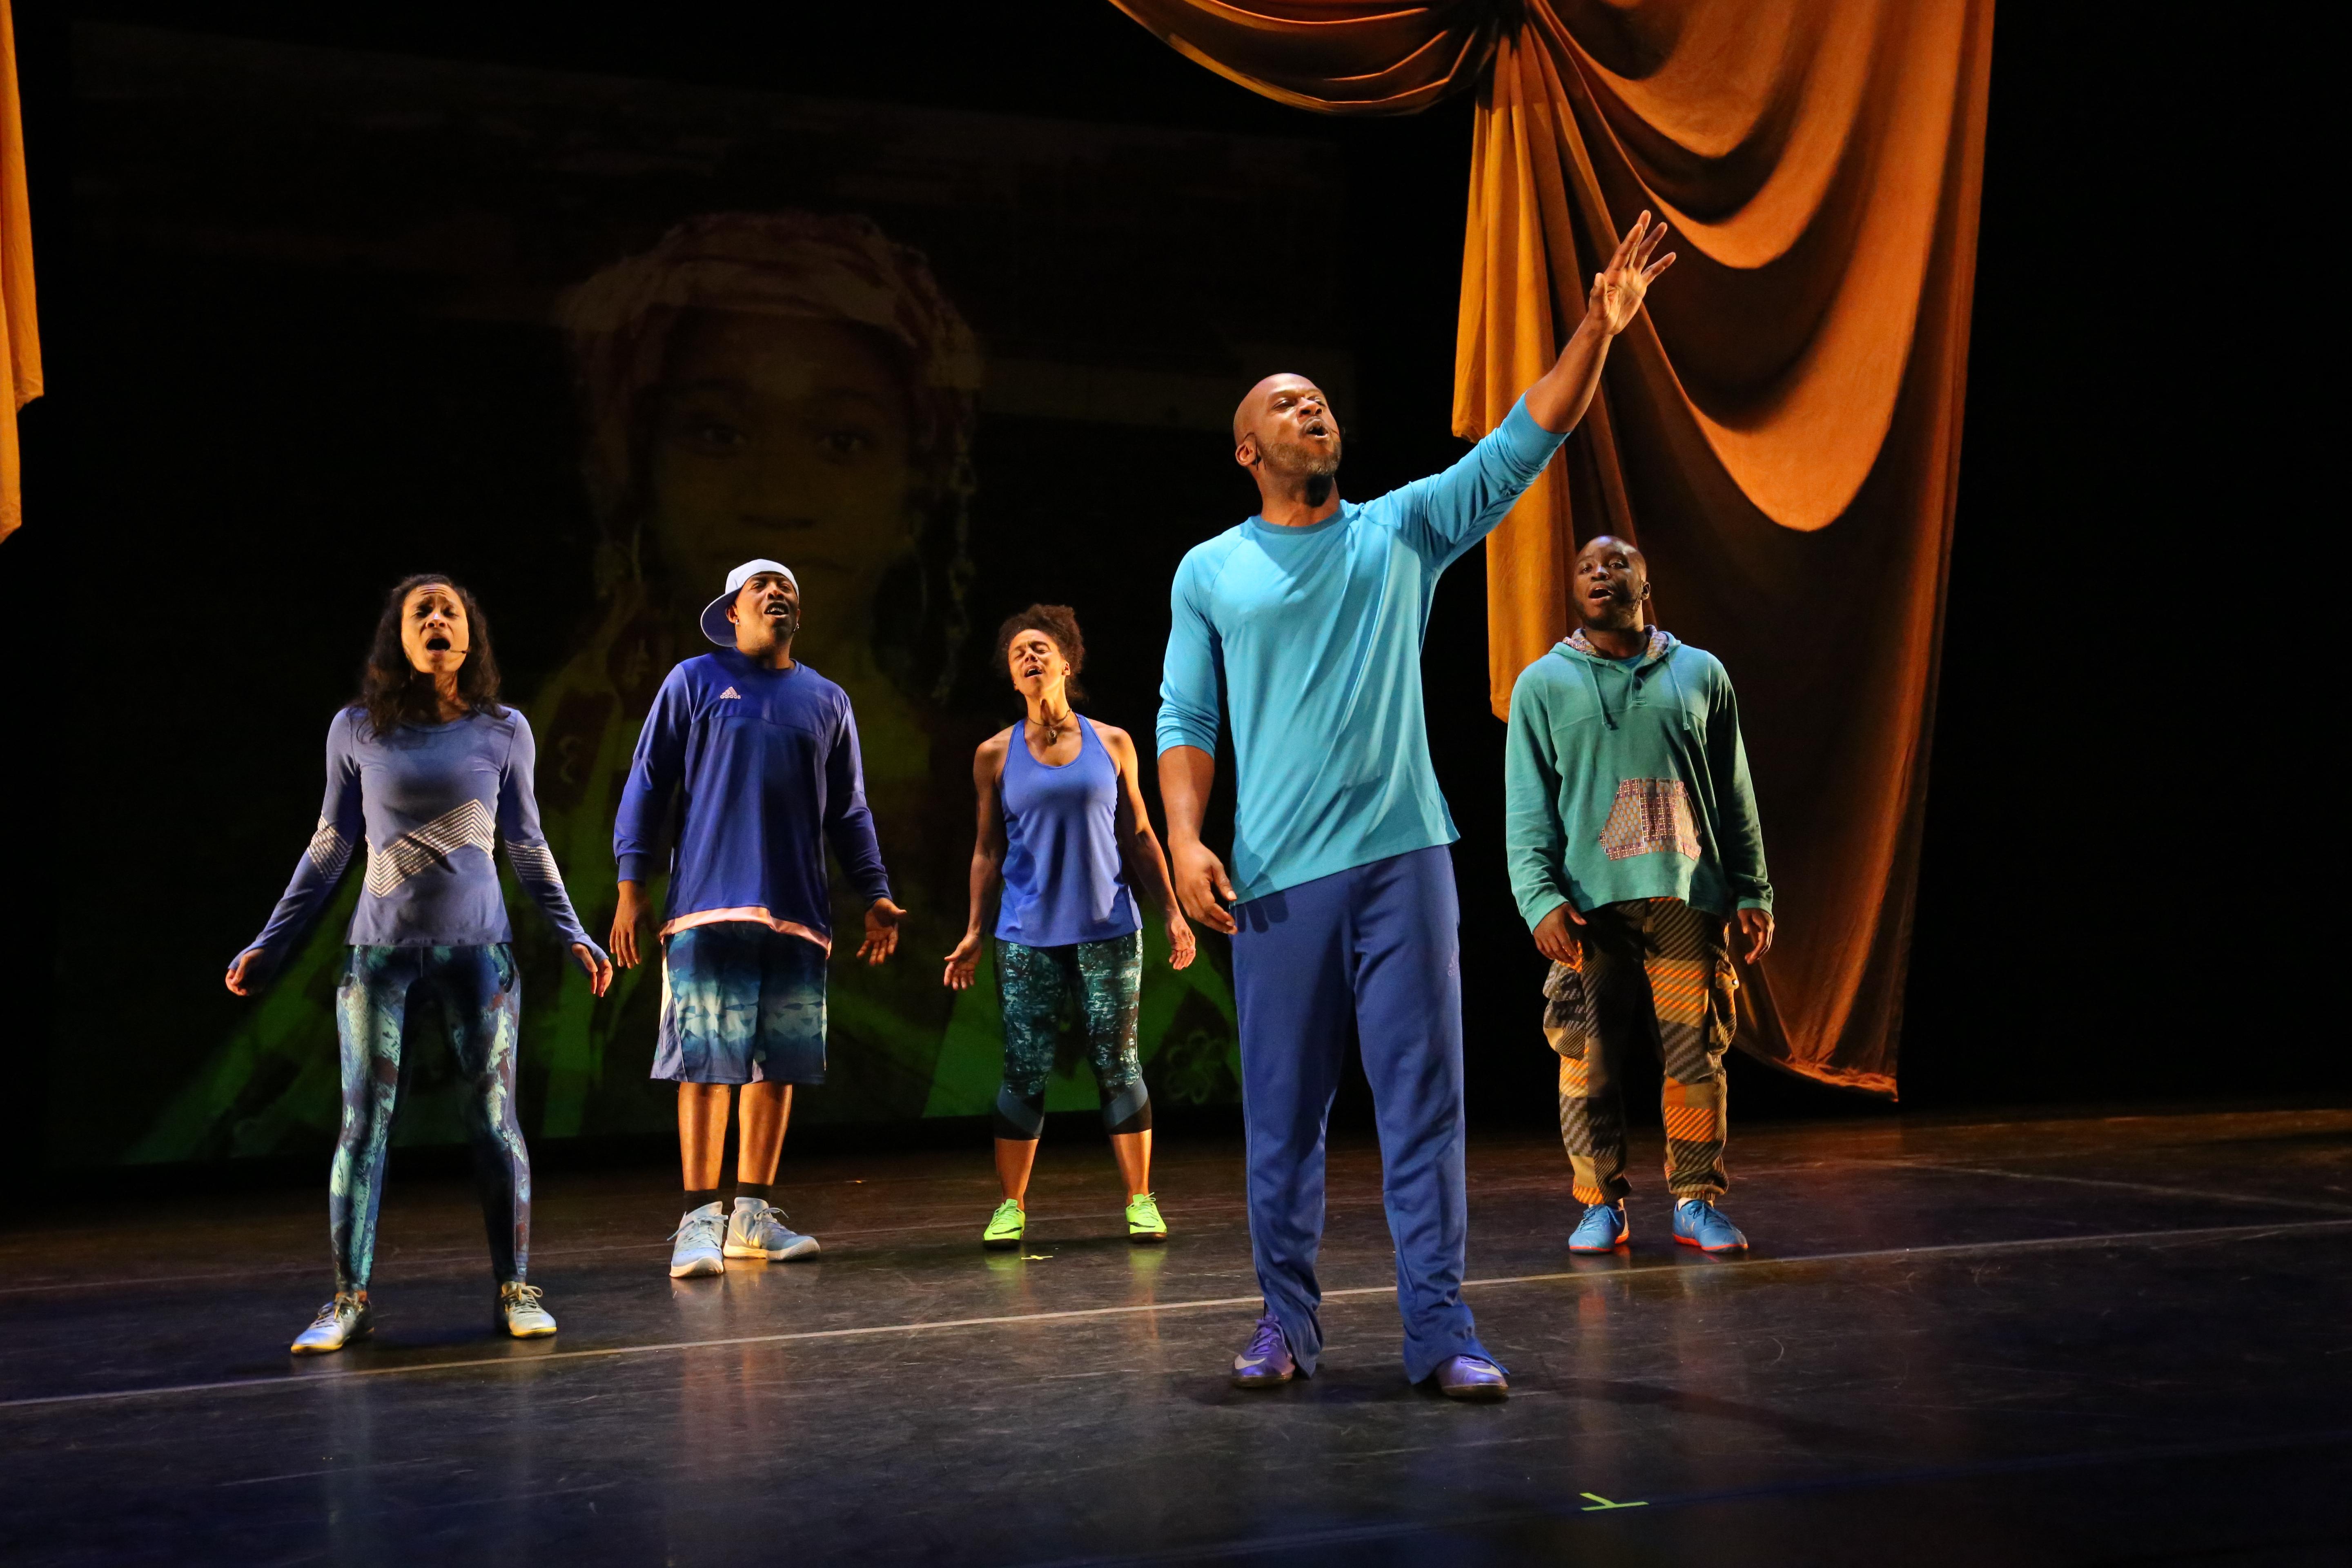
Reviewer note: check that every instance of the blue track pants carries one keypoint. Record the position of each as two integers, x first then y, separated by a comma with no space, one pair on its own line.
1380,945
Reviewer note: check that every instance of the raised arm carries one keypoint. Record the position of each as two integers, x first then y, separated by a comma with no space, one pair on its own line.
533,862
1559,399
987,856
1443,515
341,830
1140,847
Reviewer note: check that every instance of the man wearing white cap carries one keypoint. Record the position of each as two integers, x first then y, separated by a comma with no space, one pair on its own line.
766,753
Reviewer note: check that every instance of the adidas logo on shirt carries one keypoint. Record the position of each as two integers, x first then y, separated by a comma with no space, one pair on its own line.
730,691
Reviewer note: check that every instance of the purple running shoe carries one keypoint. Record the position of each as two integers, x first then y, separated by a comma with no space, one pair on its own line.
1267,1362
1472,1377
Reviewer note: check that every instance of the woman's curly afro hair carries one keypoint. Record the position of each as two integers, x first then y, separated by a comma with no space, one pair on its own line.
1056,621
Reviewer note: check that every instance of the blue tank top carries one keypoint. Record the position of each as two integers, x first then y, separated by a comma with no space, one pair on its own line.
1064,880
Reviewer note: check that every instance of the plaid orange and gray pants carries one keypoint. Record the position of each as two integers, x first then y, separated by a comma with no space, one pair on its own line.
1653,971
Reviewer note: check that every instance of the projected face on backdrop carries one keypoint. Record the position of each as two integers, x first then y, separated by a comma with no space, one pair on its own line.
788,437
793,385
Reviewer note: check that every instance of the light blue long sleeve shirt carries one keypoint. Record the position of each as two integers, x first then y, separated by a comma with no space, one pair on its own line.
1306,642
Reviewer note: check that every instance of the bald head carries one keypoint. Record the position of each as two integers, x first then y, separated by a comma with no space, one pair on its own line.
1285,412
1286,436
1256,402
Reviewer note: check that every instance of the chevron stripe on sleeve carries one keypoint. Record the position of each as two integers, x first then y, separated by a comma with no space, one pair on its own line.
329,851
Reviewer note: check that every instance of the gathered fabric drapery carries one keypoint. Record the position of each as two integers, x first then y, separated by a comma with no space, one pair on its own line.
20,337
1779,431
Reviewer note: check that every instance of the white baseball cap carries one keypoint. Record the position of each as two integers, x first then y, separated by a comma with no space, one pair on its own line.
715,624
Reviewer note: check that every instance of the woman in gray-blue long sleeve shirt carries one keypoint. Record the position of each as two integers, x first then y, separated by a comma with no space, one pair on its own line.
428,771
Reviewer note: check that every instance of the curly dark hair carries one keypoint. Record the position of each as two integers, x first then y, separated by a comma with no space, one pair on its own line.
393,692
1056,621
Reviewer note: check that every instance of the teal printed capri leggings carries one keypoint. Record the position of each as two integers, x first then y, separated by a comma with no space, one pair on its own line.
478,996
1100,980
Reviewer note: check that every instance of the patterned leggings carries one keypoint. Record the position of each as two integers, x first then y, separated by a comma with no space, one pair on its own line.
478,994
1037,986
1655,972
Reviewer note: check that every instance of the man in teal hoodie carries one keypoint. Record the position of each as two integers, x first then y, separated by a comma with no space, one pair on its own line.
1632,838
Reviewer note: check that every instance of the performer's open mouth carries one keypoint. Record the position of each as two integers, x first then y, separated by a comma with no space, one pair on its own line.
437,645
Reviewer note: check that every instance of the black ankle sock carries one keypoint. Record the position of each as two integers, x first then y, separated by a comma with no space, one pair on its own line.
763,1190
695,1200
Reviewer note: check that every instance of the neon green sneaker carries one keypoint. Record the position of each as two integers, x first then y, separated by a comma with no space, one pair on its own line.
1143,1221
1005,1226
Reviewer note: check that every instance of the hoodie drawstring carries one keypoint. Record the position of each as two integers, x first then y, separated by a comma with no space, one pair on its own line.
1598,700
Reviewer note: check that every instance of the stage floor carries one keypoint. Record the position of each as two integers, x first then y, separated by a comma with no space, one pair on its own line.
2108,1339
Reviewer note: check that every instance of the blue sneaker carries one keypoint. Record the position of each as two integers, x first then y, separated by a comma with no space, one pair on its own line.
757,1229
1267,1362
700,1238
1472,1377
1603,1229
1698,1224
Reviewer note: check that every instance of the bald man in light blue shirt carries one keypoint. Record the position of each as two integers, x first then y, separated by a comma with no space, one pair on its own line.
1308,619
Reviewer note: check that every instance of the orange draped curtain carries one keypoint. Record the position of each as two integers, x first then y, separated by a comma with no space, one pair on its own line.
1781,430
20,337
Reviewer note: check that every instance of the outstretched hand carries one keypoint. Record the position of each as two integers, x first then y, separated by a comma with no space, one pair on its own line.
882,917
599,967
1180,943
1618,289
962,963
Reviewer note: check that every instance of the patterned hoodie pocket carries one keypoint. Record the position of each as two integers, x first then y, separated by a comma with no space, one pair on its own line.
1650,816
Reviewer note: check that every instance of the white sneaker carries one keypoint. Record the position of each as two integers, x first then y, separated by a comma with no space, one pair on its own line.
757,1229
519,1311
340,1321
698,1236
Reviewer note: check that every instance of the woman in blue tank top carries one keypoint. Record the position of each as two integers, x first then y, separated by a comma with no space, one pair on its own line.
1062,821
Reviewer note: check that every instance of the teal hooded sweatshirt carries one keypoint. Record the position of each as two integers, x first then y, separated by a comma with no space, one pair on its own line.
1628,781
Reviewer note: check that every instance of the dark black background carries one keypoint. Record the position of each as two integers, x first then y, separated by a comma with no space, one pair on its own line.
2130,855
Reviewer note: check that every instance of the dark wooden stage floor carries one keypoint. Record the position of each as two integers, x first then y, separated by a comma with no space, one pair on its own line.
2114,1340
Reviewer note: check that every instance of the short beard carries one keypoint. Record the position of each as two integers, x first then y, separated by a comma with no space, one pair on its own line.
1317,473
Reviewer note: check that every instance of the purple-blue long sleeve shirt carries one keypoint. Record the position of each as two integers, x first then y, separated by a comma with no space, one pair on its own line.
426,803
768,765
